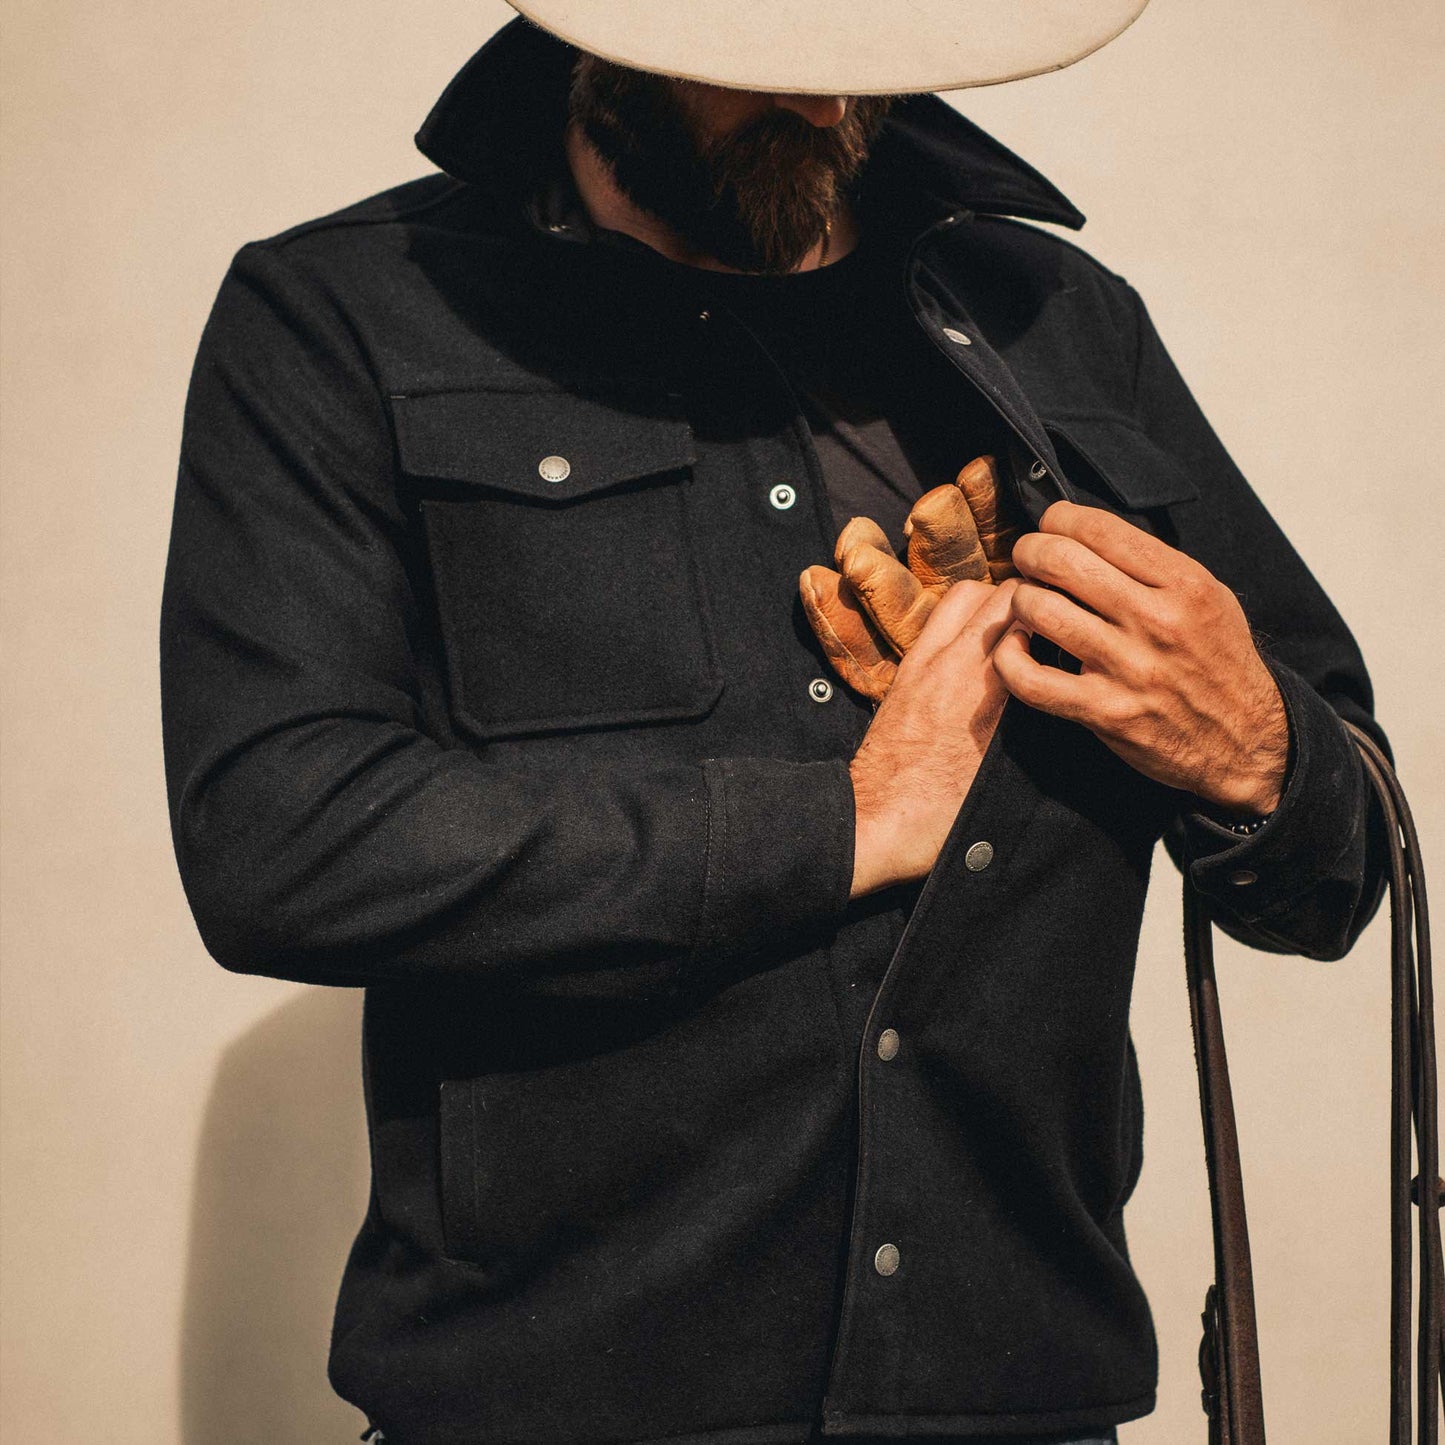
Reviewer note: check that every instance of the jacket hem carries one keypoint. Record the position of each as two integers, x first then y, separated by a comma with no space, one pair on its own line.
797,1433
841,1425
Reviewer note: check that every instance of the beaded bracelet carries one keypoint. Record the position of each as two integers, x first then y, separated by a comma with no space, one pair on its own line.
1248,827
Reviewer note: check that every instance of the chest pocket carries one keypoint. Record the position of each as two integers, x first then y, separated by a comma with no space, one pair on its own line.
1112,463
558,532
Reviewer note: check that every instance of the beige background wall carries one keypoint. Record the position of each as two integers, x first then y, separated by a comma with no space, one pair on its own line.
184,1158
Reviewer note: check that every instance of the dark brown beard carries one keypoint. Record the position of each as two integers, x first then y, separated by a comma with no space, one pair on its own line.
757,199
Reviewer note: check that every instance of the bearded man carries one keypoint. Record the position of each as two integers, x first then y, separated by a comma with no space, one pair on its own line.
704,610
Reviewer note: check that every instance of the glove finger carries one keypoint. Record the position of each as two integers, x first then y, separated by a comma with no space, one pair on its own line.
861,532
886,589
978,482
850,641
892,596
943,542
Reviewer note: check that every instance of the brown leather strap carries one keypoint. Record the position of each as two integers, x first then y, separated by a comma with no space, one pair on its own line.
1232,1399
1229,1351
1413,1098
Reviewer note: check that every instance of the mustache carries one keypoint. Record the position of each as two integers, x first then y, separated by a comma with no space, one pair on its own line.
782,140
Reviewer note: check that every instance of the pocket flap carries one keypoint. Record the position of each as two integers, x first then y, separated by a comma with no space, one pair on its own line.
1137,471
551,446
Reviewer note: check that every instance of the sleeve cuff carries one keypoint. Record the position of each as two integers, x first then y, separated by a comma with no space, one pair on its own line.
779,849
1311,833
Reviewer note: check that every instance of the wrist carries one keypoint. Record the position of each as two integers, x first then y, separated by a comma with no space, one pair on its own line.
874,852
891,839
1256,786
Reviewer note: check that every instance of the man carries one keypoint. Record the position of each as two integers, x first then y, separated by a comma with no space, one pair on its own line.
746,1046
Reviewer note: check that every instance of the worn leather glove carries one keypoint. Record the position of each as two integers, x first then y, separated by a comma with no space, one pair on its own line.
870,612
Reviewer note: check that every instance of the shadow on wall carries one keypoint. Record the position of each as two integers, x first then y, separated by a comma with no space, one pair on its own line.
280,1190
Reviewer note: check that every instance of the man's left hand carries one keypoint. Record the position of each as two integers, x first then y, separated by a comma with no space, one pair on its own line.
1171,680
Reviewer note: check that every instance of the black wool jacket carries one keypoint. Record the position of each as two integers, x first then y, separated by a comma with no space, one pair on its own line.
487,687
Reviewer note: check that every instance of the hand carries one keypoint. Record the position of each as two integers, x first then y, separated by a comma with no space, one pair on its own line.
870,612
1171,678
926,740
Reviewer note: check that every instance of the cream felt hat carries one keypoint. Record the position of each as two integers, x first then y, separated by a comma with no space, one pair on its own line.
837,47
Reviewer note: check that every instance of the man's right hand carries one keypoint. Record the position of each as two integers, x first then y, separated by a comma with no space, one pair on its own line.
923,748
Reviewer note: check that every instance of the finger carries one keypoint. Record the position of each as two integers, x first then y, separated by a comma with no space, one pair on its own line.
979,483
859,655
1064,562
952,613
987,623
1095,642
943,542
1049,689
1130,549
861,532
892,596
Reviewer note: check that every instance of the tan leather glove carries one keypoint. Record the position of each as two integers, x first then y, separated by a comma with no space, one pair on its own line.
870,612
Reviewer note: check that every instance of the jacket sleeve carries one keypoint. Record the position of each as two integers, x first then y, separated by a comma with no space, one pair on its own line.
320,834
1312,877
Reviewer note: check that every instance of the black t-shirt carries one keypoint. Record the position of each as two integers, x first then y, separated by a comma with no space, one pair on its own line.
890,416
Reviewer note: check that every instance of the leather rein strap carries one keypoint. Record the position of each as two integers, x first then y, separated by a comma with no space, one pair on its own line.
1229,1350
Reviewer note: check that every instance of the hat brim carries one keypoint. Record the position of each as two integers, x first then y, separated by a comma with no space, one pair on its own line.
837,47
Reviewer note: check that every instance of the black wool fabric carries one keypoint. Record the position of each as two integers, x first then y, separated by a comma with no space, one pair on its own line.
486,687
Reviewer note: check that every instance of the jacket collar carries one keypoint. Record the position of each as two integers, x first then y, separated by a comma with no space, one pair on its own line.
499,125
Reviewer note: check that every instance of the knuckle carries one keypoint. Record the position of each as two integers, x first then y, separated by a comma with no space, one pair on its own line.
1026,599
1197,589
1122,711
1170,618
1093,526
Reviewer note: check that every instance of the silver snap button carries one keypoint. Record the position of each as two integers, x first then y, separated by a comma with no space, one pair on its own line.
978,857
782,496
1038,471
886,1259
1243,877
820,689
557,228
888,1044
957,337
554,469
704,315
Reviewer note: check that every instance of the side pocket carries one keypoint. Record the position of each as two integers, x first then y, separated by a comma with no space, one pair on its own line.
457,1122
1131,1144
603,1135
536,1163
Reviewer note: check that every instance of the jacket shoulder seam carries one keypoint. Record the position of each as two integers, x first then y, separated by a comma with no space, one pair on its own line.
1063,241
1119,286
346,219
